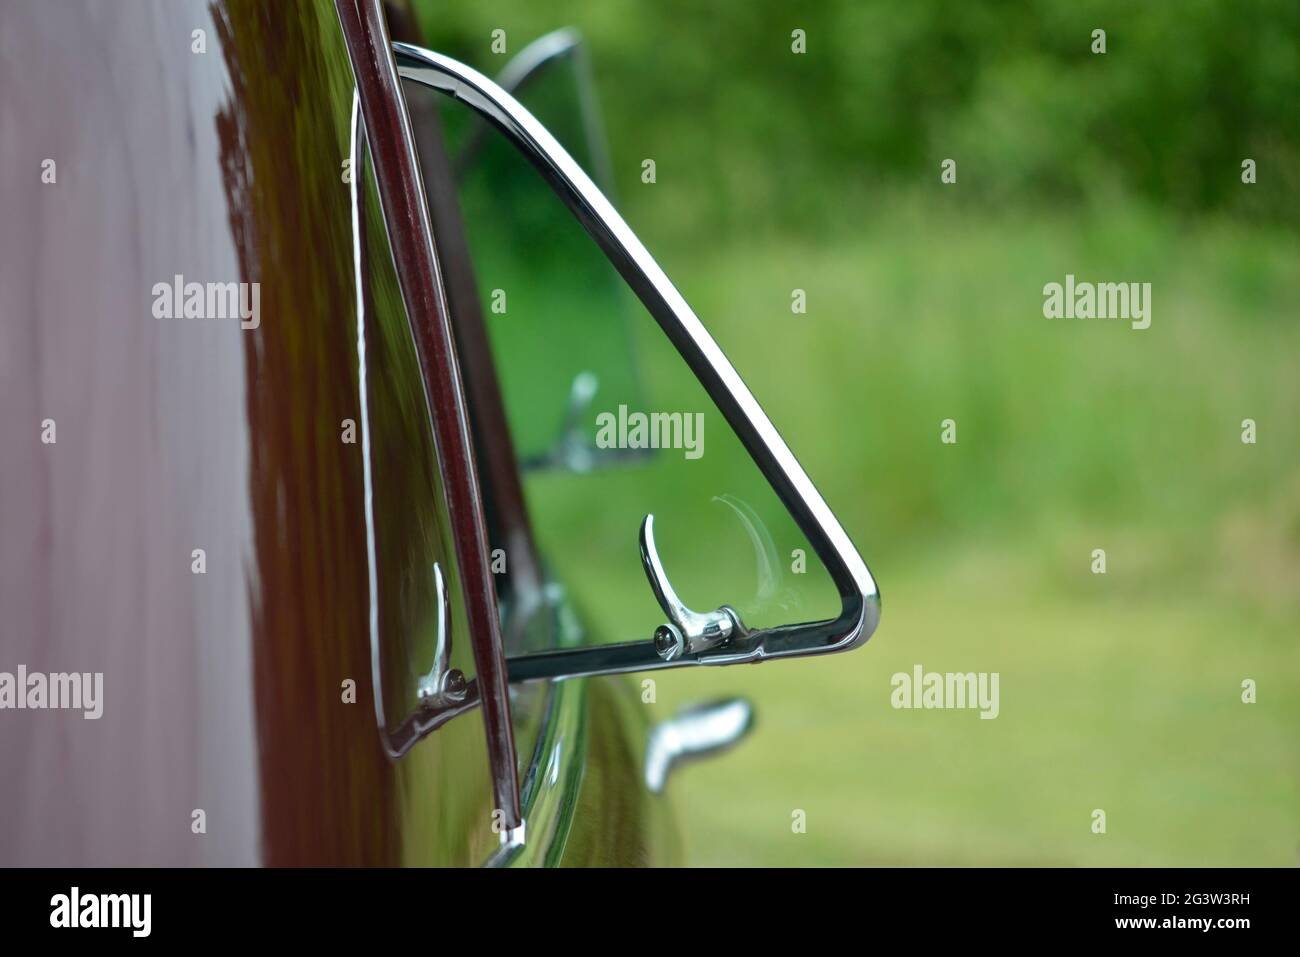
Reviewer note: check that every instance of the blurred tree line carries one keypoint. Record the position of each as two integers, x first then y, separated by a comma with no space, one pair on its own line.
755,136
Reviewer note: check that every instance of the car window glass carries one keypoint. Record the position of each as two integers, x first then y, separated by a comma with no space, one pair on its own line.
655,441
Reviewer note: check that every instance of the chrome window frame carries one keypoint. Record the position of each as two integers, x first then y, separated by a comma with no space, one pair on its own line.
860,598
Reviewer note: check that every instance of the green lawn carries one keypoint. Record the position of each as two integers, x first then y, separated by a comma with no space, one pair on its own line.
1108,700
1119,691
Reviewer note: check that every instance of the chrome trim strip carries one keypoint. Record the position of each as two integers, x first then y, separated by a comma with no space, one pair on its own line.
535,55
399,740
530,63
861,599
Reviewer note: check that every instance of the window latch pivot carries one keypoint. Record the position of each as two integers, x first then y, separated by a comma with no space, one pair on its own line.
686,632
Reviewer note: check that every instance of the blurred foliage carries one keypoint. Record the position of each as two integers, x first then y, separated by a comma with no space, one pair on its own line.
751,135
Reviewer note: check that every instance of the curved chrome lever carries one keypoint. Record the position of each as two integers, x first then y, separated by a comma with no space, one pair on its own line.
442,685
686,631
574,449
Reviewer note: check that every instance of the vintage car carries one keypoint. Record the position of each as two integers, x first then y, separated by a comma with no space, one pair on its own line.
335,486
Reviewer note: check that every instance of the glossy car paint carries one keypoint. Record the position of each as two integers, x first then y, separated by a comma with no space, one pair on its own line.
223,690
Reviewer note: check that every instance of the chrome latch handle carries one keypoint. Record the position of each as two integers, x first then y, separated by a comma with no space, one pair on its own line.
443,685
686,631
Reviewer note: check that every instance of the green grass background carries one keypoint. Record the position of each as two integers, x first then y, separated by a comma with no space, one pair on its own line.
1119,691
